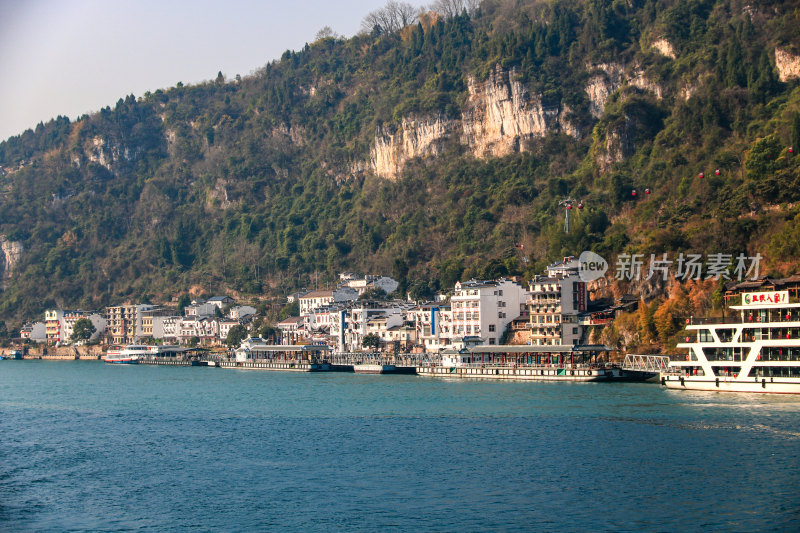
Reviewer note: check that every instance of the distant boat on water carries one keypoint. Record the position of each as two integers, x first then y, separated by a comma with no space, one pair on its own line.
128,355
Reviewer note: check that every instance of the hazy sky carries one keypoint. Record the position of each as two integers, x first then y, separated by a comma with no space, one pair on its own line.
69,57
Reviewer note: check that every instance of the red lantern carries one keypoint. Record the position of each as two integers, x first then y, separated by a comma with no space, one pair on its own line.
633,192
647,191
717,172
569,206
580,205
791,150
701,175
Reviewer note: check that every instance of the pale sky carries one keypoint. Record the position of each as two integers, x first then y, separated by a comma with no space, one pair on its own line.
70,57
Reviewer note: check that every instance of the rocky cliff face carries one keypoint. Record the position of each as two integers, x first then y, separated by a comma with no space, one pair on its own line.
414,138
10,253
788,65
499,115
608,77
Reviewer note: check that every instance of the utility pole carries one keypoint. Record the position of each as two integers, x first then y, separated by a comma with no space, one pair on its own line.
567,203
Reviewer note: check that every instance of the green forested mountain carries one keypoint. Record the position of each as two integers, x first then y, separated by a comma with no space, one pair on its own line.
426,153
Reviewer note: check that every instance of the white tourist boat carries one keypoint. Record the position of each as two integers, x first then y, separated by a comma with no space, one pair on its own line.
128,355
758,350
585,363
373,368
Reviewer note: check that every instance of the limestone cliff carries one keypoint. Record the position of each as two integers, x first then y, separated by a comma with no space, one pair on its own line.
498,116
788,65
11,253
414,138
609,77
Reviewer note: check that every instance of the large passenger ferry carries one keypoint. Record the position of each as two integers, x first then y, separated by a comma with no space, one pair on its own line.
757,350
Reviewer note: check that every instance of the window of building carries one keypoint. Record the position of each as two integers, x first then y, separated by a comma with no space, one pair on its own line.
491,340
491,327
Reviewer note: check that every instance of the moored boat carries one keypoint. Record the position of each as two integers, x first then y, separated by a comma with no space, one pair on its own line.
530,363
128,355
373,368
758,350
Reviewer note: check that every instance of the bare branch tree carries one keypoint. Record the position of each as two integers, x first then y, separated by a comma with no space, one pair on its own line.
391,18
453,8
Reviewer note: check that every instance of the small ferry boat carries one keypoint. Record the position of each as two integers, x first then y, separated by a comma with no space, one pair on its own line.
128,355
758,350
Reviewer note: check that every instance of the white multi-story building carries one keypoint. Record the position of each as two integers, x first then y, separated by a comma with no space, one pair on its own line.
554,304
167,328
292,330
124,322
432,325
484,309
59,324
225,326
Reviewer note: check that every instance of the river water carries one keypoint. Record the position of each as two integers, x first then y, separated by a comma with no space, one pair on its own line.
91,447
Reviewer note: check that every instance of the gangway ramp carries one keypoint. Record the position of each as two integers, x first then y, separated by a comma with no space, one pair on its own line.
646,363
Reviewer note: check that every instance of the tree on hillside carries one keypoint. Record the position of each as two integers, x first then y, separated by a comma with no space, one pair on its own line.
453,8
373,293
82,330
184,301
391,18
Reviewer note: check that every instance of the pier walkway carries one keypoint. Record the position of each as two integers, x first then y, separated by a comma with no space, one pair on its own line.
646,363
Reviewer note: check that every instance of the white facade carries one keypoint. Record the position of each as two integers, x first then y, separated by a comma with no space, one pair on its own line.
554,305
485,309
432,326
225,328
59,324
166,327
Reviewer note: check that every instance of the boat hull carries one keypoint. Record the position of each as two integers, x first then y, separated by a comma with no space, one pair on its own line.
373,369
122,361
531,373
760,385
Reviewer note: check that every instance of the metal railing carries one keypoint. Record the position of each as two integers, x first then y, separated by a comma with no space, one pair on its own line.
646,363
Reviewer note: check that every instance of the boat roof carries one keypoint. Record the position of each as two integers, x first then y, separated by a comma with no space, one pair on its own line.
526,348
289,347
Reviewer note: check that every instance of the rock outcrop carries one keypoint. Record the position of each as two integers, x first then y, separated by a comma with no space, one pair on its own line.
608,77
10,253
498,116
664,47
414,138
788,65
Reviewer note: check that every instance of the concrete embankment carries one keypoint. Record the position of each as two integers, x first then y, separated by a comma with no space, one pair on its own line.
63,353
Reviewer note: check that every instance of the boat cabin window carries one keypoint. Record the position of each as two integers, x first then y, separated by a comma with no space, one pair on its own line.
726,371
704,335
725,334
735,353
774,353
695,371
775,372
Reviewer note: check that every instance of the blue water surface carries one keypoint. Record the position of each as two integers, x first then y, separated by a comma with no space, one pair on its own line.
91,447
